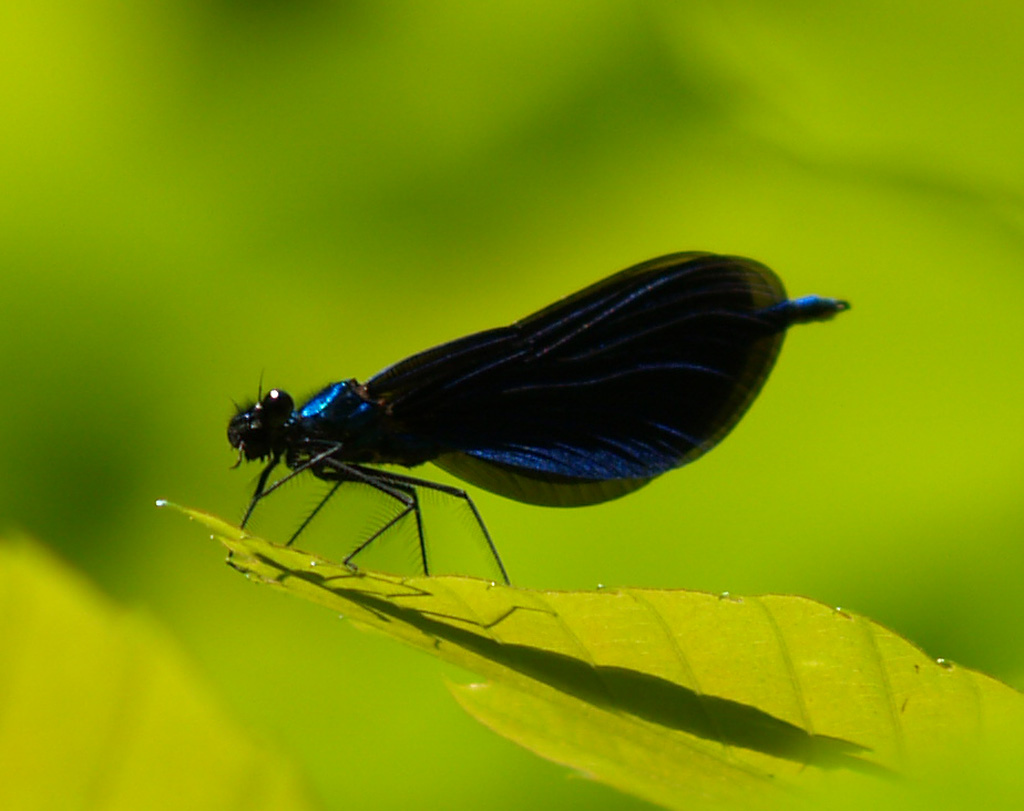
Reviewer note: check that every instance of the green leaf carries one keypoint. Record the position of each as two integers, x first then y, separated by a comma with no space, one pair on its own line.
679,697
99,710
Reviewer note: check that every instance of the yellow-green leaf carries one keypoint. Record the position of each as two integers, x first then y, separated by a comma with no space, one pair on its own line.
677,696
98,709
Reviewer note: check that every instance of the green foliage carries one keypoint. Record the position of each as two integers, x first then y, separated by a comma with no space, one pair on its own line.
99,710
679,697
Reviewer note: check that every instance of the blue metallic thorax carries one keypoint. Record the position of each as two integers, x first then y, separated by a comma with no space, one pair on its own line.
339,414
342,414
338,403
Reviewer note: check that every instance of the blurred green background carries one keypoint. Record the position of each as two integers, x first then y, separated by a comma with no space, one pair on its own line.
198,193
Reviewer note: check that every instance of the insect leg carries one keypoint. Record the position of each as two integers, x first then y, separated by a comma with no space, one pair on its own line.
399,489
410,506
316,509
419,529
411,481
260,492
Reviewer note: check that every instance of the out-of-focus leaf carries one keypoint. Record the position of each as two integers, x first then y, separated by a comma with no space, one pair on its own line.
99,710
676,696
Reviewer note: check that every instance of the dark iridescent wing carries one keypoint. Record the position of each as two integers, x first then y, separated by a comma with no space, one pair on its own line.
600,392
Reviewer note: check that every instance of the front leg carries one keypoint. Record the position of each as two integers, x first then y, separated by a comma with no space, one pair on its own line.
260,492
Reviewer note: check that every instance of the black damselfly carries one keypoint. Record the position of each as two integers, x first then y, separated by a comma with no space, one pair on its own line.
581,402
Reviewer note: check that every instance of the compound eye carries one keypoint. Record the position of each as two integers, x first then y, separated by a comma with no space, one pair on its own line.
277,407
